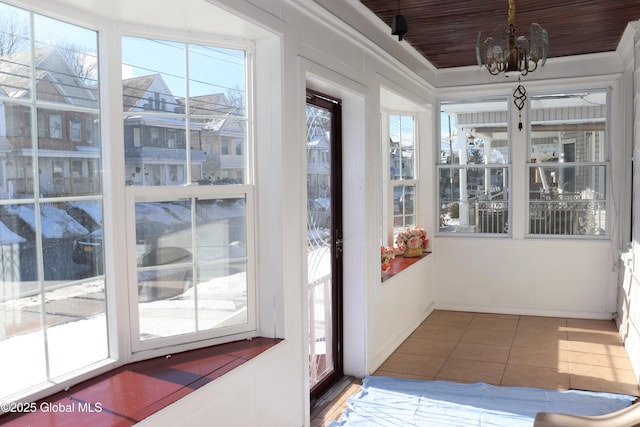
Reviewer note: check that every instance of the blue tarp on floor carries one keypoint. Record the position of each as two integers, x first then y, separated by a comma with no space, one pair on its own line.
385,401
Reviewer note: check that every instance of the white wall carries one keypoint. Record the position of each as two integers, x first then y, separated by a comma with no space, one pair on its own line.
536,277
629,279
397,307
557,276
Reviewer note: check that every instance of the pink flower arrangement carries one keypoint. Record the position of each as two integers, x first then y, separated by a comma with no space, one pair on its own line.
411,240
386,255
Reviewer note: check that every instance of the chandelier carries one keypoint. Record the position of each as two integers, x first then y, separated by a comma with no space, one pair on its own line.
505,52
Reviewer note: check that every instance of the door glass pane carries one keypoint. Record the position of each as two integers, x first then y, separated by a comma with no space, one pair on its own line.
319,243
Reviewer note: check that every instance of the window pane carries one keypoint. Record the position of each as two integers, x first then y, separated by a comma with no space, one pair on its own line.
221,246
568,128
66,63
474,200
191,275
403,207
474,196
60,176
217,81
567,189
181,128
15,58
51,295
402,147
18,165
578,208
474,133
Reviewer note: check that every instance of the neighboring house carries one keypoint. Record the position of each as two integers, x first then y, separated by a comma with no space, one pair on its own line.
223,139
155,134
68,140
318,166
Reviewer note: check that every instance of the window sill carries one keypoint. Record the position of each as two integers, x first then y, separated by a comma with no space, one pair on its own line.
401,263
129,394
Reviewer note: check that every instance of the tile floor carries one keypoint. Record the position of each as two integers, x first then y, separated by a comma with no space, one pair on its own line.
508,350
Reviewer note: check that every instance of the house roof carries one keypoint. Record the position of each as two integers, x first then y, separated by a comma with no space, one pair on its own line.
56,80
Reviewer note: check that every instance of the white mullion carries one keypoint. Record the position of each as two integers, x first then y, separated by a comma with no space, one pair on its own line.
36,197
194,262
187,106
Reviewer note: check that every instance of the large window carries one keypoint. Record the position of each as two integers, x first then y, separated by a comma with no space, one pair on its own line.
565,170
52,290
568,164
401,193
189,193
188,216
474,166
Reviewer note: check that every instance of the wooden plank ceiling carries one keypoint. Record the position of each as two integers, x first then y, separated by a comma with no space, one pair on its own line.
445,32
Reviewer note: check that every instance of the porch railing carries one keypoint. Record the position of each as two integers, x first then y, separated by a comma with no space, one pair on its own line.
320,331
584,217
568,215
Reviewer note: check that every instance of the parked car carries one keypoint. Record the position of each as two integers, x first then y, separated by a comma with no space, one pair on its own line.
162,282
153,283
88,250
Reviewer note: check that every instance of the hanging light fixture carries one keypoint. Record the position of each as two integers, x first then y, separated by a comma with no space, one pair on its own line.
506,52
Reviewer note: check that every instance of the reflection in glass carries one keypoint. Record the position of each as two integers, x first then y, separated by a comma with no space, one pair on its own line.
59,176
18,163
474,167
474,200
403,207
15,57
574,202
402,147
567,169
51,257
320,223
474,133
191,276
209,94
67,68
178,134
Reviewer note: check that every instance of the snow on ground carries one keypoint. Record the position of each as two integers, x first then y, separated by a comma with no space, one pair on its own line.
221,301
218,299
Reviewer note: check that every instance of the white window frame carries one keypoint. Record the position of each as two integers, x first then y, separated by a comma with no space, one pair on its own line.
606,164
388,218
144,349
115,221
140,350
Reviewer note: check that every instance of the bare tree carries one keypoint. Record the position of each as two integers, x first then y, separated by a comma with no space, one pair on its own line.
14,33
83,64
236,98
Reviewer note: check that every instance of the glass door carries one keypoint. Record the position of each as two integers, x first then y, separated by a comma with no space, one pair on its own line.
324,241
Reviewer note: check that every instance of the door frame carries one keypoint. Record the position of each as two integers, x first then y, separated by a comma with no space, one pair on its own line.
334,105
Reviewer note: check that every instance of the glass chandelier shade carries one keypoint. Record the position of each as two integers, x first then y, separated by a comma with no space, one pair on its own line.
503,51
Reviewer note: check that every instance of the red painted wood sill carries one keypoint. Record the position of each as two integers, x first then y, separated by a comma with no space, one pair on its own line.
131,393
